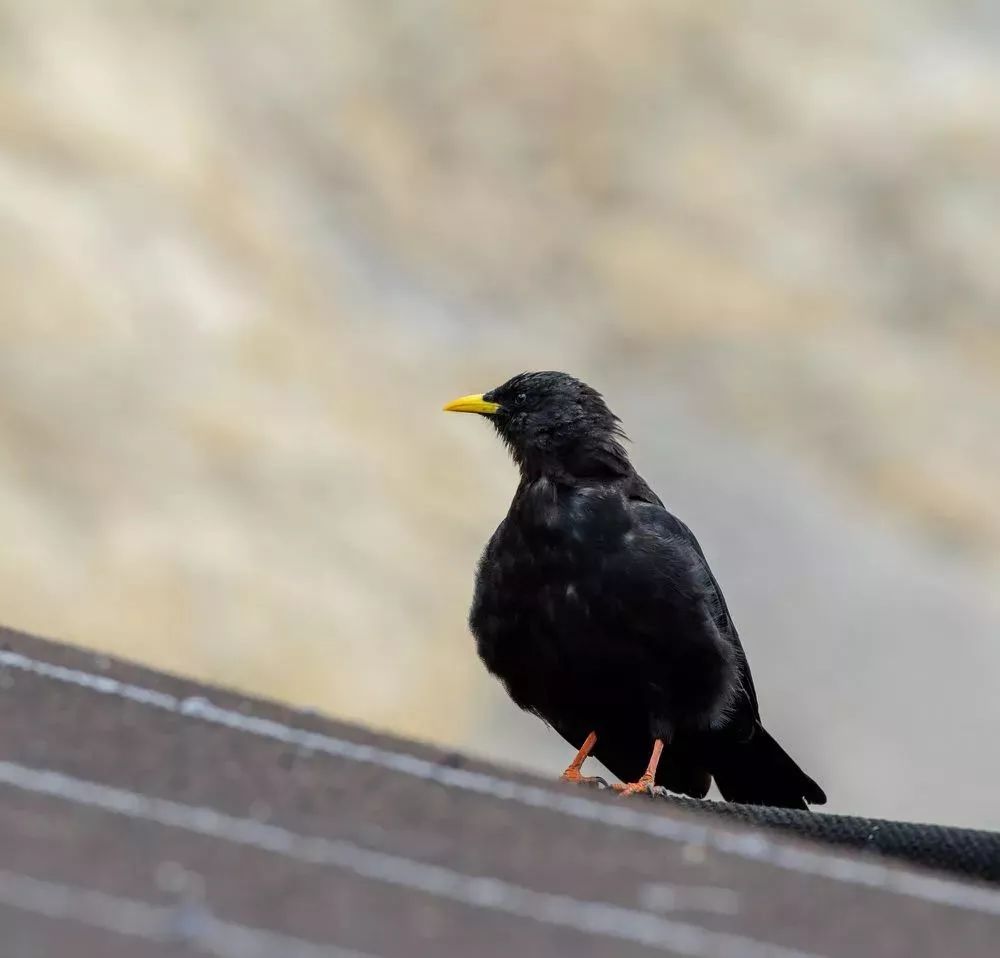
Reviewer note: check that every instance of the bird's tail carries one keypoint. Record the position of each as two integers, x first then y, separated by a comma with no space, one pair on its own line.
758,771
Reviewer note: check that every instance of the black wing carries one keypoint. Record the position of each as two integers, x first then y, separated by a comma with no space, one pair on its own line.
640,492
747,763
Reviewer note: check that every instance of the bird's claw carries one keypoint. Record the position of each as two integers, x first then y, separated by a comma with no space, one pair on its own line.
574,777
644,785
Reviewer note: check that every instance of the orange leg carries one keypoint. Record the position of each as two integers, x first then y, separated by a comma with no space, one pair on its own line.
645,783
572,773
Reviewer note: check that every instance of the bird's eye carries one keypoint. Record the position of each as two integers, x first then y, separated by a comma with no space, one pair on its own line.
520,398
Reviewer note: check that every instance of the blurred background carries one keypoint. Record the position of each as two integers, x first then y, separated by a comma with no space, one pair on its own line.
248,249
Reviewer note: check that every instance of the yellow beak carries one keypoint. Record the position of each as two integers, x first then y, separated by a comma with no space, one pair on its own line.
473,404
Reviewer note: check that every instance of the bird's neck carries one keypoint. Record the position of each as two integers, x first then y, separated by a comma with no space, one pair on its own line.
602,459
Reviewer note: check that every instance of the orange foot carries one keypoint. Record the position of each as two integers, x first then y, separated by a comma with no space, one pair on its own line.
573,776
646,780
645,784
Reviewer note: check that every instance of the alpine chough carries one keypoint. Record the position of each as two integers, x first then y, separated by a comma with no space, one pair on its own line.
597,610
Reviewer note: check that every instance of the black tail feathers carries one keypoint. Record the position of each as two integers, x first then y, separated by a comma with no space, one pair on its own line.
758,771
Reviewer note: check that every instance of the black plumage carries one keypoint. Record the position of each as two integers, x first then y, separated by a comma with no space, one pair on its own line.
597,610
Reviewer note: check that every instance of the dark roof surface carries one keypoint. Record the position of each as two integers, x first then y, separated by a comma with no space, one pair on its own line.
141,814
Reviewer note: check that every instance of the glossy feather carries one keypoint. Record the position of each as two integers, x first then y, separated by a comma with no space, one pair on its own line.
597,610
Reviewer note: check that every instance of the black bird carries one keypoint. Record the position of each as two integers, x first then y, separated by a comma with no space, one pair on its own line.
597,610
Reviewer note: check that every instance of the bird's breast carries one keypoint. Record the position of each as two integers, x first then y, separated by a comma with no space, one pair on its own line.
537,584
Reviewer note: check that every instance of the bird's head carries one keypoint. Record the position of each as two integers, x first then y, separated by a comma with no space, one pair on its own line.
554,425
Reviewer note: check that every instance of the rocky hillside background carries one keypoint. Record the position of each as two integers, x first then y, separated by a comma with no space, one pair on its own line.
248,249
